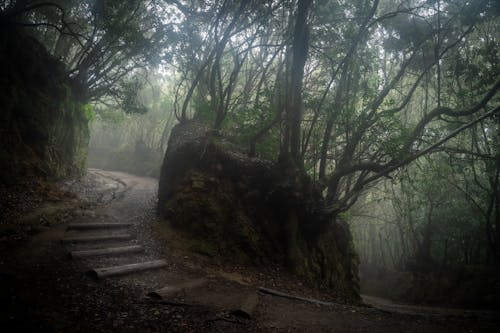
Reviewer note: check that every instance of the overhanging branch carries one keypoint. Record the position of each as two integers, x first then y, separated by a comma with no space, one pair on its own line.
431,147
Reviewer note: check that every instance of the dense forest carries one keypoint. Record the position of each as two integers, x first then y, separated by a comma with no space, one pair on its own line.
356,143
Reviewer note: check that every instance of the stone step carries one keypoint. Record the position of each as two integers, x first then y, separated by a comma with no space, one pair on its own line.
172,290
100,273
95,238
105,251
103,225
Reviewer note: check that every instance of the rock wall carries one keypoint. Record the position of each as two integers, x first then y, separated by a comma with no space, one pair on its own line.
43,128
238,208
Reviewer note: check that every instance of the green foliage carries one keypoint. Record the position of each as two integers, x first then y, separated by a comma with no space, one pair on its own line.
109,115
102,43
129,92
204,111
370,81
269,146
89,113
134,142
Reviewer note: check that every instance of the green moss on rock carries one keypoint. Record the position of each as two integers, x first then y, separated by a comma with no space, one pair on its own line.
239,208
43,128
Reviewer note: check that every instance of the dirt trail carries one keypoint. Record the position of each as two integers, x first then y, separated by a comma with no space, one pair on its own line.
44,290
397,307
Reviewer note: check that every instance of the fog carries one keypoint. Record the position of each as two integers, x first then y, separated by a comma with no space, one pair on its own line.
130,141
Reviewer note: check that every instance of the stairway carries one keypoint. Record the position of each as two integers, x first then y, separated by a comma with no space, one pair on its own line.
107,240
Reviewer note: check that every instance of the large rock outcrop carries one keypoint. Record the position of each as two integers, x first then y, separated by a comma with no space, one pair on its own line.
239,208
43,128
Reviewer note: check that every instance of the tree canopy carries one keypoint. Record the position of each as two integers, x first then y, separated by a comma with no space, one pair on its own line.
352,90
343,92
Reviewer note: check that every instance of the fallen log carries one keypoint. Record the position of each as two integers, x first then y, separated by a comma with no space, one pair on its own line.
247,307
100,273
170,291
93,238
103,225
298,298
105,251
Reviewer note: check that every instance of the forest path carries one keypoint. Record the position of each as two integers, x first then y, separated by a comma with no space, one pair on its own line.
44,290
413,309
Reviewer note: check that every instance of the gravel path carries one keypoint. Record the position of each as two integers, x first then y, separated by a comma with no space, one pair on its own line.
43,290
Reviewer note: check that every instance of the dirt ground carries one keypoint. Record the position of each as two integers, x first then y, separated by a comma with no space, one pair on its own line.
43,290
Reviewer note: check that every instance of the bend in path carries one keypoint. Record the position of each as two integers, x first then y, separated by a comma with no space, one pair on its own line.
43,290
413,309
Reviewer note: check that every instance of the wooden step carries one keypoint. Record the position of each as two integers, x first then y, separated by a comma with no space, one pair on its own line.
106,251
100,273
95,238
98,225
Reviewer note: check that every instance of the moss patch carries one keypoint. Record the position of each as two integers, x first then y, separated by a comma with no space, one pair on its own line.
43,128
239,208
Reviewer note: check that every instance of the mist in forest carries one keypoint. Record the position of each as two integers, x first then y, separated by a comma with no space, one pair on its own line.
389,128
132,141
320,151
423,237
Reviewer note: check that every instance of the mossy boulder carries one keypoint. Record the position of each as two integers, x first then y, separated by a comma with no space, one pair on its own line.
43,128
239,208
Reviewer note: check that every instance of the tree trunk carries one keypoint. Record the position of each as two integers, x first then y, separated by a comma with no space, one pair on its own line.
291,150
324,150
424,258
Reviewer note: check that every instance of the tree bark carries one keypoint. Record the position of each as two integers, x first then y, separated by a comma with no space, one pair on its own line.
299,51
